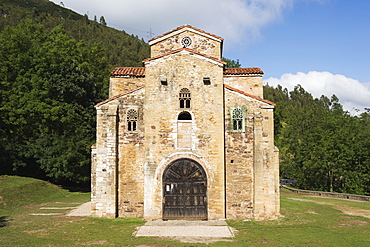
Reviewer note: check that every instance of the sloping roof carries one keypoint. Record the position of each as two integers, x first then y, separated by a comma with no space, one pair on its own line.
242,71
186,27
129,71
184,49
249,95
140,71
117,96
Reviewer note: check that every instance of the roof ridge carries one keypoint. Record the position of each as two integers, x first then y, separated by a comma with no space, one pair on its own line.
249,95
239,71
118,95
134,71
185,26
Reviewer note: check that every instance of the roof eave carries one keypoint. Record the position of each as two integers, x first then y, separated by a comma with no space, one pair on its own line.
118,96
250,95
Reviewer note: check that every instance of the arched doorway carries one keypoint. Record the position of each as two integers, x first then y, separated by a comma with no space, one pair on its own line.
184,191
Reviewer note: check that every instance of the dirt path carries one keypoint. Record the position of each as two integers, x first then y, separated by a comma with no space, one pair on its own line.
344,208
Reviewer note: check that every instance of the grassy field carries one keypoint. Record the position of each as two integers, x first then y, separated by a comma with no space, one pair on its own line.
32,213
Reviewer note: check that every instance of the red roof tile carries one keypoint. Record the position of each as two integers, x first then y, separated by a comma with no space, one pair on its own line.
242,71
140,71
249,95
128,71
185,26
184,49
119,95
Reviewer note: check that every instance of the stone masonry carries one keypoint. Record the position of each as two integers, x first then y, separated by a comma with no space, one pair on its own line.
184,105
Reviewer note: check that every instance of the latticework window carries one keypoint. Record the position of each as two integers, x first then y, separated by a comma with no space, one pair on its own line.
184,98
237,119
132,117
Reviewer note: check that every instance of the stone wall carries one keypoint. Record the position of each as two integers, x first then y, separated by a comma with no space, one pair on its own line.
329,194
131,157
250,161
118,85
104,173
248,84
183,70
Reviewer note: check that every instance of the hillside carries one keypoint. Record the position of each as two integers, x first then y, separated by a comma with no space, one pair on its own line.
19,191
122,49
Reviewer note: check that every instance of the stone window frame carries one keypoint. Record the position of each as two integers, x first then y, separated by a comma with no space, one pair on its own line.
132,118
237,119
185,98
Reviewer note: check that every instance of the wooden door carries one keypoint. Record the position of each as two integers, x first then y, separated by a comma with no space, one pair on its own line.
184,191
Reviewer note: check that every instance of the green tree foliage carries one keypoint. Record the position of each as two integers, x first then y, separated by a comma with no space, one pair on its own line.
231,63
49,84
53,70
321,146
121,48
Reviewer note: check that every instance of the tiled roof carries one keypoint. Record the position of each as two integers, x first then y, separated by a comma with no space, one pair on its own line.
184,49
140,71
128,71
249,95
119,95
242,71
186,26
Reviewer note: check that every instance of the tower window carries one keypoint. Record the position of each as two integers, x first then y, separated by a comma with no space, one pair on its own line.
237,119
132,117
184,98
206,81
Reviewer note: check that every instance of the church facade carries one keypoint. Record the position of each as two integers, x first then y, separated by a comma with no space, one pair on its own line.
185,137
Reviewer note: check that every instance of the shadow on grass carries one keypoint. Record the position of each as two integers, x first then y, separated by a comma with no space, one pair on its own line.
77,189
4,221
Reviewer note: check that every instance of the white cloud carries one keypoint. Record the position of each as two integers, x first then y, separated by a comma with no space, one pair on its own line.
352,94
237,21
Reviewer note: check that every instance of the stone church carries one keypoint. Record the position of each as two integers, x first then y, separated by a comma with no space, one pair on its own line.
184,137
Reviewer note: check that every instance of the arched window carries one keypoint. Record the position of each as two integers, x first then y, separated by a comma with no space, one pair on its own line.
184,116
184,98
132,117
237,119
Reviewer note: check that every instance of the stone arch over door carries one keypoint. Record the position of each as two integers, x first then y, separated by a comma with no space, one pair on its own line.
184,191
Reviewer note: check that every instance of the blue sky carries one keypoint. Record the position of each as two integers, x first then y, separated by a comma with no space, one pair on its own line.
323,45
330,36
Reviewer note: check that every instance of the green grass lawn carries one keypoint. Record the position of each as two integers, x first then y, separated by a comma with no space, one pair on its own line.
307,221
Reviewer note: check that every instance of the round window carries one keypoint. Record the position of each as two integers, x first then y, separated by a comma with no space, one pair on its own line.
186,41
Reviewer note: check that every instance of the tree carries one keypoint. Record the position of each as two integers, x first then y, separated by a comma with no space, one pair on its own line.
231,63
102,21
49,85
321,145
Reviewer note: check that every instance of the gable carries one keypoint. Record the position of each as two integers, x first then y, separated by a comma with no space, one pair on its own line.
189,52
249,96
182,29
139,90
187,37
